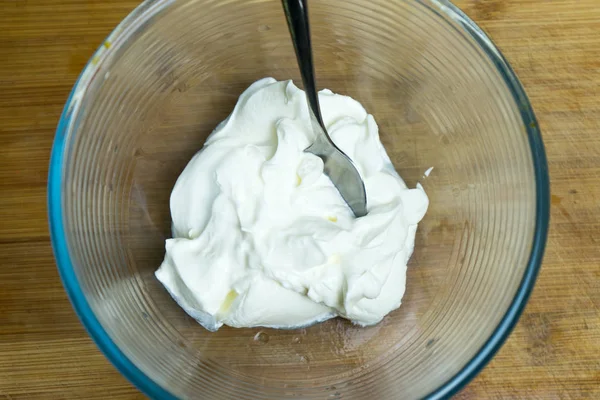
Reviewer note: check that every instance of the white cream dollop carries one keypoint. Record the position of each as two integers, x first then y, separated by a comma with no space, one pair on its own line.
261,237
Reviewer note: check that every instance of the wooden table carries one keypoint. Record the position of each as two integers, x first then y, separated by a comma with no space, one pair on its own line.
554,353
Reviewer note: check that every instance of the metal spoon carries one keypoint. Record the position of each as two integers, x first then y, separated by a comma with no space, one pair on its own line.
338,166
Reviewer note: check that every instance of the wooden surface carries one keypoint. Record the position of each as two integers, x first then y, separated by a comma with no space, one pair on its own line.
554,352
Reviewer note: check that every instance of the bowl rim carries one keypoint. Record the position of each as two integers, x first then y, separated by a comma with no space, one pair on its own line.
153,389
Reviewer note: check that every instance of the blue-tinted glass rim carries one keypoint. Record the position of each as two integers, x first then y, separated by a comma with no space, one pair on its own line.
453,385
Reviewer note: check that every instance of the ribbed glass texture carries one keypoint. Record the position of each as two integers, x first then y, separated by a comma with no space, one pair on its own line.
443,97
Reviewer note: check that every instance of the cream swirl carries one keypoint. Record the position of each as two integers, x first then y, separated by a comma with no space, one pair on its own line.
261,237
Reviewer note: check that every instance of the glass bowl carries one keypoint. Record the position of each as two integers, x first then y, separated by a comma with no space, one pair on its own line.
443,97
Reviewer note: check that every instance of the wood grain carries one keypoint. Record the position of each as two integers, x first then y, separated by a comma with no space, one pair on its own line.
554,352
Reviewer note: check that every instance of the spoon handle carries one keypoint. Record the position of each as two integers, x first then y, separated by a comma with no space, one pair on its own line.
296,13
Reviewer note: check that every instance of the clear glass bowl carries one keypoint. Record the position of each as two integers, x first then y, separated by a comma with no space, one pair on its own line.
443,96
